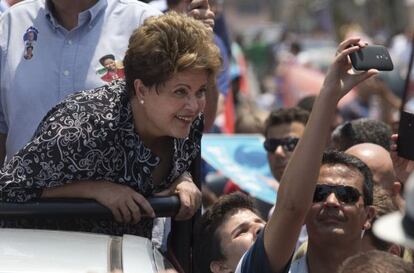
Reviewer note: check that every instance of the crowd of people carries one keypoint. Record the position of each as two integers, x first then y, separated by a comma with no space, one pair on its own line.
108,100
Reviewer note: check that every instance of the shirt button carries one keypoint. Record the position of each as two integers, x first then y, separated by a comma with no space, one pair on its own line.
70,42
66,72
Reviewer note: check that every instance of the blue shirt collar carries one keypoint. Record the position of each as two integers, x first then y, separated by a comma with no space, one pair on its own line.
85,17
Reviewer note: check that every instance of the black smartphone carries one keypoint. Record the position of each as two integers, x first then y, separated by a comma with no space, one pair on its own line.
372,56
405,147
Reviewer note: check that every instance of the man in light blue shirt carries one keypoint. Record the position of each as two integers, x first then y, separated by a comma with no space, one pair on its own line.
50,49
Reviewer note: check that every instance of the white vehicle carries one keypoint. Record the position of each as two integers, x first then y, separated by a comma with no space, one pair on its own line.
32,250
28,250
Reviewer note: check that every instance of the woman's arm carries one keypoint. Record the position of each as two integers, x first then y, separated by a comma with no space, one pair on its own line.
125,203
63,149
188,193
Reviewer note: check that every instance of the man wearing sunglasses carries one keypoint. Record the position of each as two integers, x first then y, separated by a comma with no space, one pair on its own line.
225,232
283,128
340,213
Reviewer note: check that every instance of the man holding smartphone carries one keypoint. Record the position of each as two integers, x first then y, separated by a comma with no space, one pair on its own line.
235,239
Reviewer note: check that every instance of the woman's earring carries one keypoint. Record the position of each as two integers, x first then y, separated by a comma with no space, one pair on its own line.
141,101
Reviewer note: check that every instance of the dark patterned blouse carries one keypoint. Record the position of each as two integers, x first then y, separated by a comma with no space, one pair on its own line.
90,136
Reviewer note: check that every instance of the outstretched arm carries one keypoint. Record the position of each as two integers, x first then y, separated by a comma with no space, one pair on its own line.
298,182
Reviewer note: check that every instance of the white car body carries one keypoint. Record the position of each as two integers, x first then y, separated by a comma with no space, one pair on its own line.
29,250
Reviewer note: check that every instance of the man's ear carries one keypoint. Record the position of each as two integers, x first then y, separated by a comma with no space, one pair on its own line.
139,89
219,267
396,188
370,215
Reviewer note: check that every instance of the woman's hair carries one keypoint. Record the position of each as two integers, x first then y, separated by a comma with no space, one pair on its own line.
168,44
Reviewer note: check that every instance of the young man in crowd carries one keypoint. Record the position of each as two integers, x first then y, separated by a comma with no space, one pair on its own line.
282,130
235,239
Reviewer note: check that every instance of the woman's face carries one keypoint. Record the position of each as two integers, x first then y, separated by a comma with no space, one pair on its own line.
178,102
109,64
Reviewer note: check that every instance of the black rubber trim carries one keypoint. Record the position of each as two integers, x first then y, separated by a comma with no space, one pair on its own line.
65,207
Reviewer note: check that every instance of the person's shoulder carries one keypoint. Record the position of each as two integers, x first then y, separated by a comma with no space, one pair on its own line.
100,101
133,7
118,89
110,91
18,16
134,3
255,259
97,107
24,7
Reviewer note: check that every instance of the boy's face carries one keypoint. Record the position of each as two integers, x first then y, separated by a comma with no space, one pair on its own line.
237,234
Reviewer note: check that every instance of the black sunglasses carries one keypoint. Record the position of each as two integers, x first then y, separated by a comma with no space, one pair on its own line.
344,194
288,144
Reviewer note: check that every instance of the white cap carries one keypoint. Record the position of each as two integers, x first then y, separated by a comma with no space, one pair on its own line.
398,227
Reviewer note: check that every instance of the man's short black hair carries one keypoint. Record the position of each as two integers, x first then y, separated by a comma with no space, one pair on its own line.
207,242
172,3
352,162
307,103
362,130
285,115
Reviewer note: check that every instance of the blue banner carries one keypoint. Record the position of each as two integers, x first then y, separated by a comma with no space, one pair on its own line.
242,159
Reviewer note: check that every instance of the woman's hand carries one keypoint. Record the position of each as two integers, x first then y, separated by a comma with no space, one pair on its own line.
200,10
340,77
402,167
126,204
188,193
